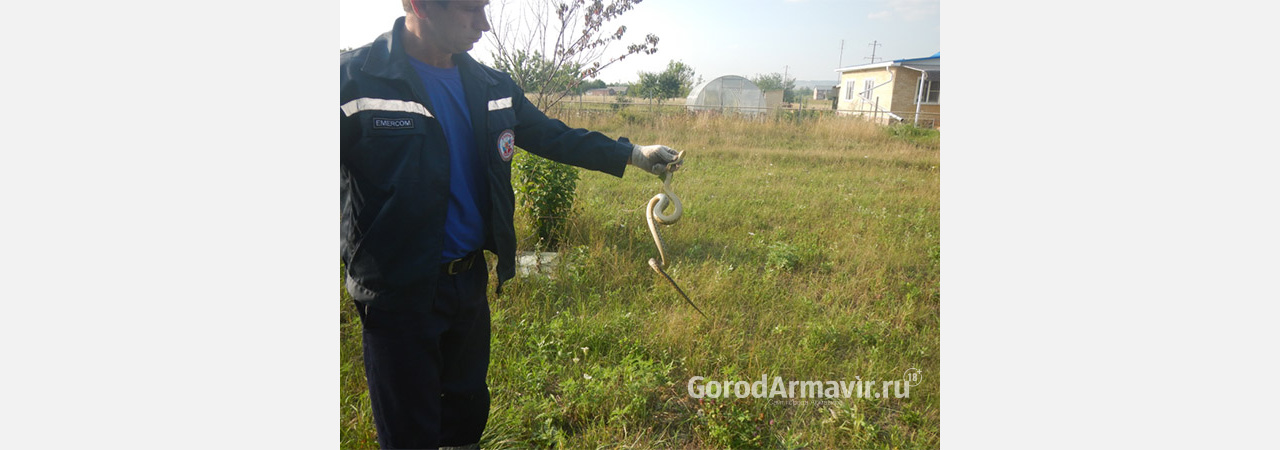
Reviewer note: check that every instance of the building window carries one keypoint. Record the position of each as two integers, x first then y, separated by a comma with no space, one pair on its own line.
848,90
867,87
932,91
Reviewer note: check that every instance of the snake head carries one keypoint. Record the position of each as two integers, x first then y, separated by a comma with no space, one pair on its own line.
676,162
671,167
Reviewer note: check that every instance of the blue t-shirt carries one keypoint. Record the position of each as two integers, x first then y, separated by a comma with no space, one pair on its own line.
464,225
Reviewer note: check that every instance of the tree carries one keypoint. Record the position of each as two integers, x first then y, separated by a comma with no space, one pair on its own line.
533,72
776,81
647,87
593,84
555,45
550,48
674,82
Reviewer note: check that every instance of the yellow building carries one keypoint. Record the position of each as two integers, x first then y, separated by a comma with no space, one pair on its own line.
905,90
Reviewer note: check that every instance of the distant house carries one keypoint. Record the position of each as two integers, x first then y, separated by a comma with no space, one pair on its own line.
821,93
611,90
904,90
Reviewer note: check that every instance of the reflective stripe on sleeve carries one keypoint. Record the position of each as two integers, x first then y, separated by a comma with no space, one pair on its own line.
502,103
379,104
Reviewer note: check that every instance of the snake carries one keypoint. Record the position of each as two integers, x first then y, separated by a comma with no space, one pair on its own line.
654,214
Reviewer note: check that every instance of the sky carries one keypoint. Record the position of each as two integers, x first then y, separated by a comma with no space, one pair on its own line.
724,37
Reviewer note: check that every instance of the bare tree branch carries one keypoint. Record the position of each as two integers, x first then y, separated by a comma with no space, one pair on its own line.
557,44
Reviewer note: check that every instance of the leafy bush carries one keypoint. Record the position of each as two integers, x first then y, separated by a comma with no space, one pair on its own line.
621,103
920,136
788,257
782,257
547,189
798,116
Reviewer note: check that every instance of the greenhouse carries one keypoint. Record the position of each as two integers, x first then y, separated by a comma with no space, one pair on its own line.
727,93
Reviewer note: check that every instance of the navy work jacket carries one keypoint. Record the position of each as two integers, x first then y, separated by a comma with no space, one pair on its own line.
395,168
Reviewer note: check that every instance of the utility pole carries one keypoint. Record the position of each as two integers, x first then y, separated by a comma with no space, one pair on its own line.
784,75
873,45
841,64
785,70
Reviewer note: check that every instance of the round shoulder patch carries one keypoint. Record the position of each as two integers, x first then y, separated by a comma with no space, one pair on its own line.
506,144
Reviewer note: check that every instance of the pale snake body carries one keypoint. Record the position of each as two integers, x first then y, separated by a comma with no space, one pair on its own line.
654,214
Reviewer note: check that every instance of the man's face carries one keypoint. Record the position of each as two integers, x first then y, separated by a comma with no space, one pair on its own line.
454,26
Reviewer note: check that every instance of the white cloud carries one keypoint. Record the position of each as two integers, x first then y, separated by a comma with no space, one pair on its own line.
879,15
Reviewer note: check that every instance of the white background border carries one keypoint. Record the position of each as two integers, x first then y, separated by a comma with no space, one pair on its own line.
170,191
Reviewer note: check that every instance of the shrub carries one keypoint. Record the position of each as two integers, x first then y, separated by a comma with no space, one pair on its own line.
547,189
782,257
913,134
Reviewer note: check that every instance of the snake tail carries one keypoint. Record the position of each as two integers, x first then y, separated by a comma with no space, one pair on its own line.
654,264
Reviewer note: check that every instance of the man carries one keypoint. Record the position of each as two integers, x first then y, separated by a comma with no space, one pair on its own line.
427,139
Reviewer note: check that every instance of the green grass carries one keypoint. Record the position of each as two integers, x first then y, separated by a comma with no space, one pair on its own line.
924,137
813,246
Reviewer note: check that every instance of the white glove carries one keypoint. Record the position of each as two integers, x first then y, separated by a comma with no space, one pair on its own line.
656,159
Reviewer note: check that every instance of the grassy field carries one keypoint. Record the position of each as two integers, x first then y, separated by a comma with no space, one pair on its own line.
812,246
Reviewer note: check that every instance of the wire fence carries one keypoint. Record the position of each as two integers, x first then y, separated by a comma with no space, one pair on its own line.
587,106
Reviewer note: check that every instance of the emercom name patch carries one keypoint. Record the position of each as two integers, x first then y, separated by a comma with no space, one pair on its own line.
381,123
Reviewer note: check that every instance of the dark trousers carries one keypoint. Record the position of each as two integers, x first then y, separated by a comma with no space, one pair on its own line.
426,370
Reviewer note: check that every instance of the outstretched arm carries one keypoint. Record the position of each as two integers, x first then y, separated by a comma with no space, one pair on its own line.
552,139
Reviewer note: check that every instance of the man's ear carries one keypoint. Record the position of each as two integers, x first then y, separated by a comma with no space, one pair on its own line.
417,9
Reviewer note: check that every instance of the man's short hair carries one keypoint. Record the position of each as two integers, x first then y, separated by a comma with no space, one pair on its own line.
408,4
